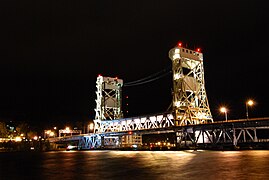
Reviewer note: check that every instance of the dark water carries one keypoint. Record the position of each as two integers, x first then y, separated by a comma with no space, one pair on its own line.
135,165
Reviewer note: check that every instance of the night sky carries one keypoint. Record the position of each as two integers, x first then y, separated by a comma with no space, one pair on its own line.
53,50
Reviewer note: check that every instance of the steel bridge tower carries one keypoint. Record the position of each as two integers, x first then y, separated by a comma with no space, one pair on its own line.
108,98
190,103
109,108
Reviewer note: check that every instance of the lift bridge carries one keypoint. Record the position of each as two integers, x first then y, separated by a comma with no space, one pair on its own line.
189,118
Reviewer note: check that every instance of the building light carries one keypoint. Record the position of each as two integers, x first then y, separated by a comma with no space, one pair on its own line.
91,126
18,139
51,134
67,130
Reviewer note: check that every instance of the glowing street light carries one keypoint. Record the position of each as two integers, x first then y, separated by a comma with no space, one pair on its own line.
248,103
224,110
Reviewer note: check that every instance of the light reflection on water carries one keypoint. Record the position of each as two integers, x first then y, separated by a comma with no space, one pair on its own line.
135,165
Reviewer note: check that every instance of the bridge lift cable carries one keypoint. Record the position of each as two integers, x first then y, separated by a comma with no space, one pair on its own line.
148,77
147,80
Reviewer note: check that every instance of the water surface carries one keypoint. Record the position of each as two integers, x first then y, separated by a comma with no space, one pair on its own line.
135,165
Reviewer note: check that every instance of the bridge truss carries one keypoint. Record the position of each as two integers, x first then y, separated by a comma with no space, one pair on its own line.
108,98
190,103
134,123
234,133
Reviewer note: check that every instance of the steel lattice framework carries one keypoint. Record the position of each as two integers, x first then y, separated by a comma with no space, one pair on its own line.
190,103
234,132
218,134
134,123
108,98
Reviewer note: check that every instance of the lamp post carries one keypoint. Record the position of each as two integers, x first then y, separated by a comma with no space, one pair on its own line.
224,110
248,103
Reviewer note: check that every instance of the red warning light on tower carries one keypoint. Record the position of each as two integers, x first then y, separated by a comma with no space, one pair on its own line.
198,49
179,44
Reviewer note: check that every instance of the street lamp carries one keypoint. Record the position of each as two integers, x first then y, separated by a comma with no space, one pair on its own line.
248,103
224,110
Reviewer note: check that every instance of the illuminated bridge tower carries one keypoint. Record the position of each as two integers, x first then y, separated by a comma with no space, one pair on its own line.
108,98
190,103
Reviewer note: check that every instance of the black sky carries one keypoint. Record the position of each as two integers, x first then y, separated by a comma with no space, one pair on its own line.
53,50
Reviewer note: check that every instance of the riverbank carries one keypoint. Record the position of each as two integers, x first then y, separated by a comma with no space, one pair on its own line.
43,145
34,145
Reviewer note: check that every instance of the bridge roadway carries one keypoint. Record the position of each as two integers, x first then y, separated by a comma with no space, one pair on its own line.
240,132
